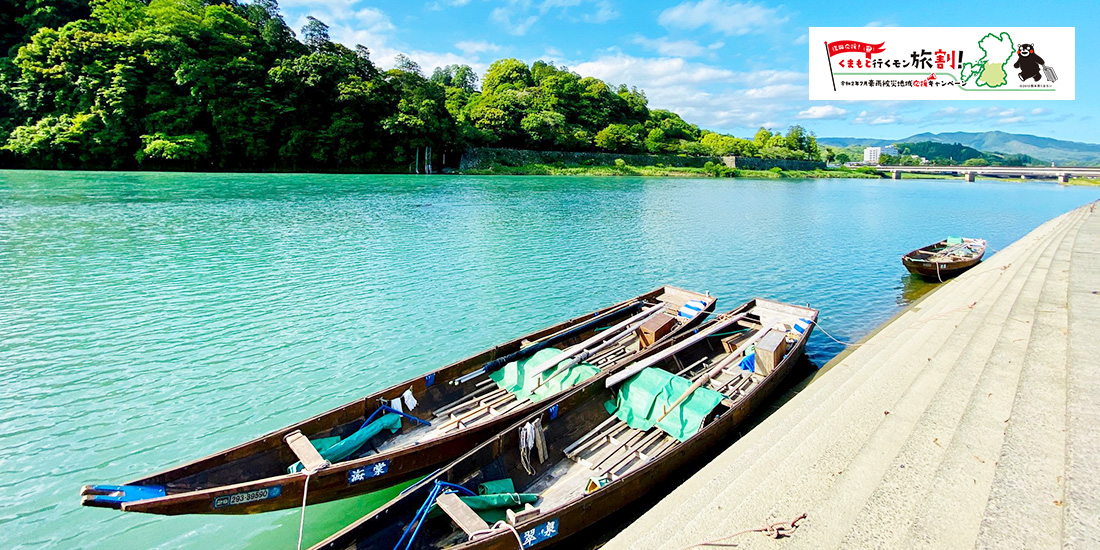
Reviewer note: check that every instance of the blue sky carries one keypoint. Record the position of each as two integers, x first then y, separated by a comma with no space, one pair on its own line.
726,65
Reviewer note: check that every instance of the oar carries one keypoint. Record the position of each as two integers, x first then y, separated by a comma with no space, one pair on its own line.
585,354
652,360
560,335
714,371
615,332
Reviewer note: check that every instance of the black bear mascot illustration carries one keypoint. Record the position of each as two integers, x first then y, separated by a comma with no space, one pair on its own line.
1028,62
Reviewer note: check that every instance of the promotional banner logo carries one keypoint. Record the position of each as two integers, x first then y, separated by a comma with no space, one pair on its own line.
949,63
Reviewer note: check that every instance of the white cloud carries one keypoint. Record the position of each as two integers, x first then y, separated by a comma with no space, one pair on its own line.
712,97
822,112
438,5
776,91
604,12
518,16
370,27
474,47
866,117
517,26
804,39
733,19
646,72
674,48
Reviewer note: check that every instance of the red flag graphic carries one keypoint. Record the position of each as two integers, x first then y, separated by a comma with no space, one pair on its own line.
852,46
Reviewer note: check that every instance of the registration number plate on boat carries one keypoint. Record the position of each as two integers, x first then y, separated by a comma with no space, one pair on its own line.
361,473
534,536
248,496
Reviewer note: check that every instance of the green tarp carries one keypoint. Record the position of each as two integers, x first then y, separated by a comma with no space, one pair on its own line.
514,378
492,506
954,240
496,487
643,398
347,446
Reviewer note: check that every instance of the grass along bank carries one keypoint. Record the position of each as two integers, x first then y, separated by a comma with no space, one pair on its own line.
621,168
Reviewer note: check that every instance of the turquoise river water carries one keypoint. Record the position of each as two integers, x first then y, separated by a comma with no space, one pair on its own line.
148,319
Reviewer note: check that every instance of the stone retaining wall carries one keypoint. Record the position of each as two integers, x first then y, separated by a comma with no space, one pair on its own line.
484,158
753,163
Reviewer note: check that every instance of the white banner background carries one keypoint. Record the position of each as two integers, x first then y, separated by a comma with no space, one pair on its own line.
984,73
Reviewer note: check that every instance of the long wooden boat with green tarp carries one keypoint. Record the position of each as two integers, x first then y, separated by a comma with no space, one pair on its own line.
599,447
416,426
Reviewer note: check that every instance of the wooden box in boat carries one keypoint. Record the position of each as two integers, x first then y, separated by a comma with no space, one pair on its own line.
463,406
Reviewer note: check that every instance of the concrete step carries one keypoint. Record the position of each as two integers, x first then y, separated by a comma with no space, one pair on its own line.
954,503
879,470
743,472
921,310
708,504
1081,518
887,336
1024,509
886,513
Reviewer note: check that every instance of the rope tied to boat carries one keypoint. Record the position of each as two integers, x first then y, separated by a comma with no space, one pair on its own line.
496,527
775,530
302,519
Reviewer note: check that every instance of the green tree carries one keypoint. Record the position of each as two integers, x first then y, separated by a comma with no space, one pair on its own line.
315,33
617,138
544,128
506,73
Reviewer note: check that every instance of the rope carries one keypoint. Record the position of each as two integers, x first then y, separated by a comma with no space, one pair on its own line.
833,338
302,521
489,532
775,531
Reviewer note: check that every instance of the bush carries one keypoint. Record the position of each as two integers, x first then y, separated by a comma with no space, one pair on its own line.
719,170
620,163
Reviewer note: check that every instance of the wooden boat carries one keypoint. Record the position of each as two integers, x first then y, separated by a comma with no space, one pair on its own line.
945,259
594,462
428,421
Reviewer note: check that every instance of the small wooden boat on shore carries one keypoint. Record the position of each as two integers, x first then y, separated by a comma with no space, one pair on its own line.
599,447
945,259
413,427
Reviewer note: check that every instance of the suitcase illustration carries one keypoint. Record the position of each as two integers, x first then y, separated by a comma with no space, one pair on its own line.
1049,74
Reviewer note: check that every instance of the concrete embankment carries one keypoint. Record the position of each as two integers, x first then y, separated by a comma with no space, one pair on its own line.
969,421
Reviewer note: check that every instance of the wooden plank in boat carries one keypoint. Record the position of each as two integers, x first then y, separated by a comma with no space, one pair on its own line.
461,513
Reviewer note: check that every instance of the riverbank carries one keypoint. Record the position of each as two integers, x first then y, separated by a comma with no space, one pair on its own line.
623,169
957,428
1084,181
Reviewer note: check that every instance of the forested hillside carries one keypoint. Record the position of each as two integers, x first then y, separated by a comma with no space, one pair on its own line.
194,85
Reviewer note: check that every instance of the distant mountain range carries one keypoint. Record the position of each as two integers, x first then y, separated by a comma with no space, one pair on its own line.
1047,149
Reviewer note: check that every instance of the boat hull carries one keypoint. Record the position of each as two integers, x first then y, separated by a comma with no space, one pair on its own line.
940,261
343,479
553,526
939,270
576,518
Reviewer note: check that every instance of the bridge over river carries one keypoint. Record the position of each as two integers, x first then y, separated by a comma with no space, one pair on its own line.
1061,173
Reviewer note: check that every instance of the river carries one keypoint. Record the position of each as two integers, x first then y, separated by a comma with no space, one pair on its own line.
148,318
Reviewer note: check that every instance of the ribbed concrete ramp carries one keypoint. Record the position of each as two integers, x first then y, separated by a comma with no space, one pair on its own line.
972,420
